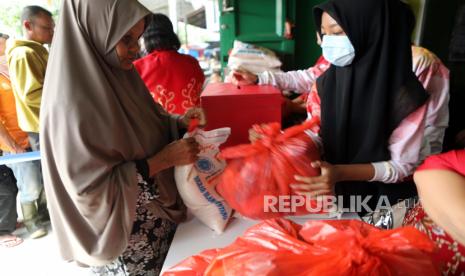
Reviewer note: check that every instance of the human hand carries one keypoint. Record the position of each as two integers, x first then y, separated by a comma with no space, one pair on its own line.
242,77
317,185
196,113
178,153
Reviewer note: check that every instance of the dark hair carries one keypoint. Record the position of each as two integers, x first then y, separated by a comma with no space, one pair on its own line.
5,36
159,34
30,12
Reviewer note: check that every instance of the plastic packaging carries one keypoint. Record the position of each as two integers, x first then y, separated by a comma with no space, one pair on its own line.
255,59
259,175
196,182
345,247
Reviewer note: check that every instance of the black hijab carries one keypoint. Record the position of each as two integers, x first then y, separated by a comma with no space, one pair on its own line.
361,104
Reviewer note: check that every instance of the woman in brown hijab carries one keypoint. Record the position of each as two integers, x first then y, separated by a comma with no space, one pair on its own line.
107,148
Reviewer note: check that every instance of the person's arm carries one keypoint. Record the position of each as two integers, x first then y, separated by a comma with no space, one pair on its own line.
193,113
177,122
330,175
442,195
437,119
410,145
300,81
434,77
8,141
420,134
404,144
27,78
180,152
355,172
435,80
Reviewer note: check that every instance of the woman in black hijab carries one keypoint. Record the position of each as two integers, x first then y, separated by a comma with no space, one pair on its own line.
365,95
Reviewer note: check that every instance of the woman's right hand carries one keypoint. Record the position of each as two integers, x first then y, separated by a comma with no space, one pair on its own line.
242,77
178,153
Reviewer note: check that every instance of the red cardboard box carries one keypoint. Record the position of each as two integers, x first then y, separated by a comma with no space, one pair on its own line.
226,105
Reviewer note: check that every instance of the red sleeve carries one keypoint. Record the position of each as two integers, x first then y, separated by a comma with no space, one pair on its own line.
320,67
450,161
314,103
321,60
314,106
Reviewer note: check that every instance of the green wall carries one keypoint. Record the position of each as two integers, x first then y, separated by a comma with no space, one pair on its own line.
307,51
261,22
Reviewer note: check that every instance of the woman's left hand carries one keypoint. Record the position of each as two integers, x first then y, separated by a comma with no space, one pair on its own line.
194,113
317,185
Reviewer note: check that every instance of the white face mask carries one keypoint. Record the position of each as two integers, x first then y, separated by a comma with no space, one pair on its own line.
338,50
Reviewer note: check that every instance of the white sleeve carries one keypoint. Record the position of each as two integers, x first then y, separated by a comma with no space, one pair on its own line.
405,145
300,81
410,144
437,119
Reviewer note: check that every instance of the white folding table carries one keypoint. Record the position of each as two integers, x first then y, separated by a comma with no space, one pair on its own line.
192,237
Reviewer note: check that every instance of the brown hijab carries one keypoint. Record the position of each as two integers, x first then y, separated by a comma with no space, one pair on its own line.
96,120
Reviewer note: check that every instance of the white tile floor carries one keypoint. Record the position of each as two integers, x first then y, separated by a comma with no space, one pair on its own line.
38,257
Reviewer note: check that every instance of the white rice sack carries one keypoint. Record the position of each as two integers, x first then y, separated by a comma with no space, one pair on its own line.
255,59
196,182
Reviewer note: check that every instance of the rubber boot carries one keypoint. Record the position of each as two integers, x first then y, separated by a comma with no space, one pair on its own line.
30,216
44,217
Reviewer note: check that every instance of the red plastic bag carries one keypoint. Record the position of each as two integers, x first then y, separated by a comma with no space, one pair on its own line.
281,247
357,248
195,265
264,170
